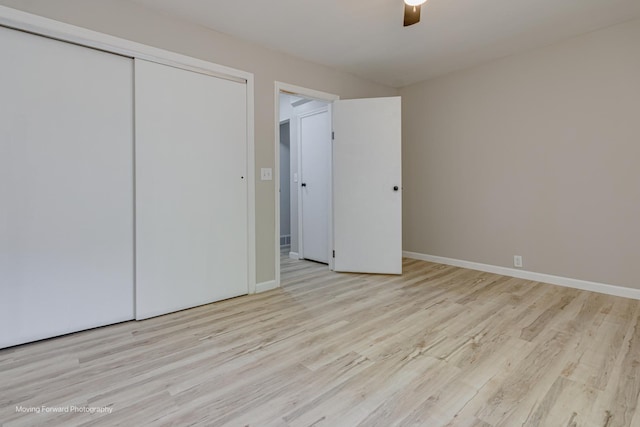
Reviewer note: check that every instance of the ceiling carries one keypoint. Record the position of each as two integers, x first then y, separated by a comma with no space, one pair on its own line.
366,37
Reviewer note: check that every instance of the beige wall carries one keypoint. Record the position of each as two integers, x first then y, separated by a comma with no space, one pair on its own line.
133,22
536,155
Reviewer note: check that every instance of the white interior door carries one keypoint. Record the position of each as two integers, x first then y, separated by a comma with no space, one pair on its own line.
367,196
191,189
66,188
315,161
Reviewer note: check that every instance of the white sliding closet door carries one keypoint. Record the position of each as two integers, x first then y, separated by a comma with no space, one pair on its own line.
66,188
191,189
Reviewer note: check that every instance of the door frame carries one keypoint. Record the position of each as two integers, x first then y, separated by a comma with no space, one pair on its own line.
327,109
289,89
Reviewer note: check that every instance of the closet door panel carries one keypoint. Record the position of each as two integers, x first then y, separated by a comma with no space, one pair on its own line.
66,188
191,189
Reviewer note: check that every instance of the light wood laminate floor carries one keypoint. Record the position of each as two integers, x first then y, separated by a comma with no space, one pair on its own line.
438,346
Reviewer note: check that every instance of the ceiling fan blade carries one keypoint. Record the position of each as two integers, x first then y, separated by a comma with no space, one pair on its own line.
411,15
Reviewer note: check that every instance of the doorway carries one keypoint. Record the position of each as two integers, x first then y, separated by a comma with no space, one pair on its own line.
364,201
305,177
303,220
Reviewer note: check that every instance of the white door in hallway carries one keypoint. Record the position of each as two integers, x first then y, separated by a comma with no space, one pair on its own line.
315,160
367,185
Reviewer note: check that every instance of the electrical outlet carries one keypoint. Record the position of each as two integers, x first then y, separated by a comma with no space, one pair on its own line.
517,261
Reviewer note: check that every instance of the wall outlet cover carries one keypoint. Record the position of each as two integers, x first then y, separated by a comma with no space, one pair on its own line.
517,261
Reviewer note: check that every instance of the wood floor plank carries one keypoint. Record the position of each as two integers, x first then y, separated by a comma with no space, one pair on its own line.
559,407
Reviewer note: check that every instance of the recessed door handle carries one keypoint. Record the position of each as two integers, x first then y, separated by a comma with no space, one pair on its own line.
395,188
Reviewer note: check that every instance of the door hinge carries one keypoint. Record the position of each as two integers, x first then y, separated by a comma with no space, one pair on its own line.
334,254
333,135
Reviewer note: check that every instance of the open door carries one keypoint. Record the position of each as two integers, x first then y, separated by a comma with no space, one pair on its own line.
367,185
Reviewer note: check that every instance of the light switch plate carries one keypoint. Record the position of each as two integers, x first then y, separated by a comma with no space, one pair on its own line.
266,174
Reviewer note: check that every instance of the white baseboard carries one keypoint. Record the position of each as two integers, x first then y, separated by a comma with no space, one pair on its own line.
294,255
602,288
266,286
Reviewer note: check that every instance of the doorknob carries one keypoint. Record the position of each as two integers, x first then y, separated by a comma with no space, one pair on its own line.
395,188
304,184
